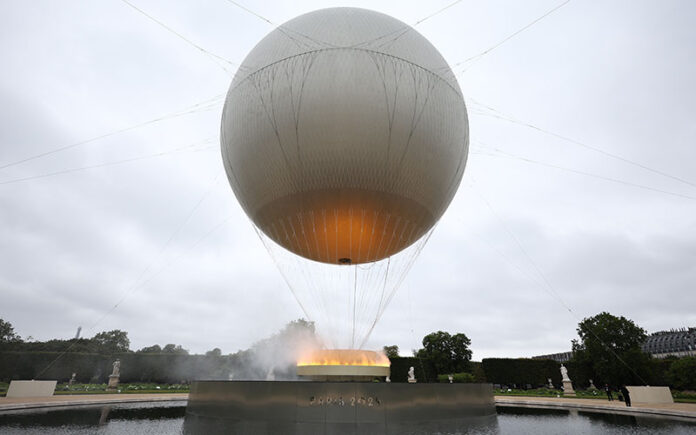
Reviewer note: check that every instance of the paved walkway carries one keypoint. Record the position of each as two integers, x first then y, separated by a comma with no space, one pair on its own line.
685,410
15,403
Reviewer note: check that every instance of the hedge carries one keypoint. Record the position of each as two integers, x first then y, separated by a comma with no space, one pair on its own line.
96,368
477,371
422,368
521,372
174,368
682,373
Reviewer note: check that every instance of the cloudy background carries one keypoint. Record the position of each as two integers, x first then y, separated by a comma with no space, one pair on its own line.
540,224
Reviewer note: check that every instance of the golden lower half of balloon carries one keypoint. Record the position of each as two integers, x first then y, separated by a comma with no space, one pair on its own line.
344,226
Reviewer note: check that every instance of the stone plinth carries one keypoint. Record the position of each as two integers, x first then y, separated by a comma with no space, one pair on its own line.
31,388
113,382
650,395
568,389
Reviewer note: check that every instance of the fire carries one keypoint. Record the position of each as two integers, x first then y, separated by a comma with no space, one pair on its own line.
344,357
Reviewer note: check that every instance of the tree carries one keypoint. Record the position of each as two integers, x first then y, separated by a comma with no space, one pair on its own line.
214,353
115,341
682,374
447,353
7,334
151,349
391,351
175,349
610,349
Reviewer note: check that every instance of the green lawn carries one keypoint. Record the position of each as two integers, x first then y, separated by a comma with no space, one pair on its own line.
545,392
679,396
128,388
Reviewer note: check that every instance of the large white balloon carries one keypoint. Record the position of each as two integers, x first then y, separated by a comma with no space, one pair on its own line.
344,135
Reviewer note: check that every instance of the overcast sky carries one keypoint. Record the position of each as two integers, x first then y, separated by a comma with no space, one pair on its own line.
165,236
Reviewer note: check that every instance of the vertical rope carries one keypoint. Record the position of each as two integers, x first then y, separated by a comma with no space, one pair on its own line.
355,289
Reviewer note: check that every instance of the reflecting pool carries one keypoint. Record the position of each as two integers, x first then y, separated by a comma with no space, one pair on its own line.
168,418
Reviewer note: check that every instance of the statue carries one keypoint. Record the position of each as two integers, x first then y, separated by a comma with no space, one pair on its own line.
567,383
411,376
564,373
388,379
72,379
550,384
117,368
592,386
114,376
451,378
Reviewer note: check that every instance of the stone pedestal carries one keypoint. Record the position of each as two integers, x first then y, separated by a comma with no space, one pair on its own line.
568,389
31,388
113,382
644,394
412,381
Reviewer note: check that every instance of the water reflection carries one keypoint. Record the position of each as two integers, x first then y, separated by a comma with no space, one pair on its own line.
168,418
556,421
470,426
134,418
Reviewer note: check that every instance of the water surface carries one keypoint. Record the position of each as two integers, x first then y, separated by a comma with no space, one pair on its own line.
168,418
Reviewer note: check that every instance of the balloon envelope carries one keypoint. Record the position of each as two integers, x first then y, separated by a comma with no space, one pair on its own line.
344,136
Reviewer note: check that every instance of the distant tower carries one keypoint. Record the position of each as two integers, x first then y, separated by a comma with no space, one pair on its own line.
77,335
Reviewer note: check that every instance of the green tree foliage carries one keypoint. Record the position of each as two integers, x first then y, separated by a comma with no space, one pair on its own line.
447,353
610,349
214,353
156,348
7,333
391,351
175,349
682,374
115,341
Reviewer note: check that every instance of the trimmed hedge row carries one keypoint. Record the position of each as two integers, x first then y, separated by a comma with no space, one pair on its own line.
679,374
173,368
96,368
521,372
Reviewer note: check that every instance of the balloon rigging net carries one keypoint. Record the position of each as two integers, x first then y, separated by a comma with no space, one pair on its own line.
344,301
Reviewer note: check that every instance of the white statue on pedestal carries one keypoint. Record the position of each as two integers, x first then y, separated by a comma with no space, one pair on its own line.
564,373
117,368
411,376
567,383
115,376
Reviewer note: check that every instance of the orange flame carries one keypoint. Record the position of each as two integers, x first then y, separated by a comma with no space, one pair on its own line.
344,357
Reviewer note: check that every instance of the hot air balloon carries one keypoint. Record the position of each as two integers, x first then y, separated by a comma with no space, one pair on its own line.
344,137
